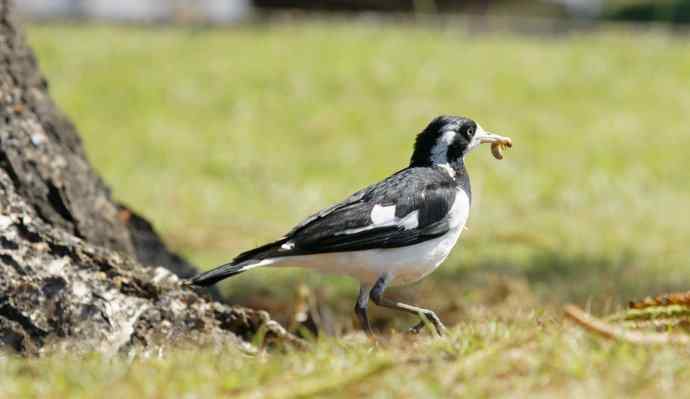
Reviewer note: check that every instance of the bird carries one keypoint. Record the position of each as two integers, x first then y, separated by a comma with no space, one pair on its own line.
391,233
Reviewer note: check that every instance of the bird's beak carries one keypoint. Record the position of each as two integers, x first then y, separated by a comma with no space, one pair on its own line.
497,142
485,137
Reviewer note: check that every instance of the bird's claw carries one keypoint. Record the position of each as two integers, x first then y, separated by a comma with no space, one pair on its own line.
416,328
433,319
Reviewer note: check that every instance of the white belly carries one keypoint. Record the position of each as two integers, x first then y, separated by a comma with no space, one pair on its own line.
406,264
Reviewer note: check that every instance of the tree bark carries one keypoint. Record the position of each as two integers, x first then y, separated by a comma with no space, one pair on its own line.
77,269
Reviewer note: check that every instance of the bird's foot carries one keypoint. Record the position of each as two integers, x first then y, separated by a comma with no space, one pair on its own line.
426,319
416,328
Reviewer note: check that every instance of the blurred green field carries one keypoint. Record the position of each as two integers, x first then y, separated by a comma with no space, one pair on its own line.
226,138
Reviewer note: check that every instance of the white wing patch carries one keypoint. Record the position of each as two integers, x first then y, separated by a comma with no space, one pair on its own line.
287,246
384,216
410,221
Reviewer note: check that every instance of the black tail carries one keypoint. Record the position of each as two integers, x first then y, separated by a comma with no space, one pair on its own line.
221,272
244,261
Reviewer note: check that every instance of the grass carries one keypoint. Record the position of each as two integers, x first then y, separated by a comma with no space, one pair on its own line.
226,138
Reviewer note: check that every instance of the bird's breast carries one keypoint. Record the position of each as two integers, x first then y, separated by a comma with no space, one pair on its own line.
460,210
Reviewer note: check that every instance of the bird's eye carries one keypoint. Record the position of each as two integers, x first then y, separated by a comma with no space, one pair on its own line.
470,132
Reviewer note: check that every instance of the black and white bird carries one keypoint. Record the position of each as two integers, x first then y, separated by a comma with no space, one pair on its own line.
391,233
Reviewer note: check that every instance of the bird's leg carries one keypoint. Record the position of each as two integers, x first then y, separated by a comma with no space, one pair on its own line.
377,296
361,308
423,313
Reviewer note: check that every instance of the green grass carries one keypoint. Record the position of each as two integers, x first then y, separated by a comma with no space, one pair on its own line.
226,138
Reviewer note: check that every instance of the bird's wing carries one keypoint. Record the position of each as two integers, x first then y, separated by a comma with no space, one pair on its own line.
407,208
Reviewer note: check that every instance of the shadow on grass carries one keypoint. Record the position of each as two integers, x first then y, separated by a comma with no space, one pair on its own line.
578,278
546,280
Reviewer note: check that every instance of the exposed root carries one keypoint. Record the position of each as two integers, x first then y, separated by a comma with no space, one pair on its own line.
617,333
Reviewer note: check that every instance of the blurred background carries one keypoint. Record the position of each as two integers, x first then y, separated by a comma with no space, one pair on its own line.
228,121
228,11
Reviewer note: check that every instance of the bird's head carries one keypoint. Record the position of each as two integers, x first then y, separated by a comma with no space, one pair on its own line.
447,139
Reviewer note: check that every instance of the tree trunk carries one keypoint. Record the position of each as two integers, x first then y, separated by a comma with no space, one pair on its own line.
72,259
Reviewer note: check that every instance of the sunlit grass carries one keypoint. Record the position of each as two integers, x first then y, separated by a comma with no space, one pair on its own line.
519,356
226,138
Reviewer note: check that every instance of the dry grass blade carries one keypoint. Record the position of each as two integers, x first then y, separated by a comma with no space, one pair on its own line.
617,333
675,298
